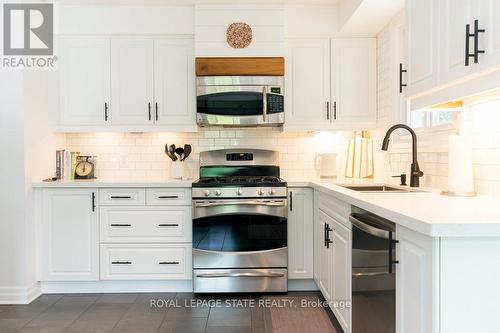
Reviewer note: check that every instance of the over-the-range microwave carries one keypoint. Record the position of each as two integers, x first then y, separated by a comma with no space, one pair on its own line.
239,100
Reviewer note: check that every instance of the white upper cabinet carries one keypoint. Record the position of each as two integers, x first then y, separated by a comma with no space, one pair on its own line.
132,81
354,82
307,84
300,233
70,235
127,84
489,41
174,82
455,15
330,84
422,33
85,80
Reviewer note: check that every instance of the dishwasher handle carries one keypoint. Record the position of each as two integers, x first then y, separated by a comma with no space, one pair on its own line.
368,228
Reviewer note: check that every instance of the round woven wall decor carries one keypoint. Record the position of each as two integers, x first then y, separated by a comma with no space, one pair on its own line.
239,35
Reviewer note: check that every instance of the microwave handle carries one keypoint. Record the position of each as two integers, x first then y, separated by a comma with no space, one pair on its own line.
264,103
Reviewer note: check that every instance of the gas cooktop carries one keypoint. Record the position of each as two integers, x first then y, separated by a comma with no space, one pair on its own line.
250,181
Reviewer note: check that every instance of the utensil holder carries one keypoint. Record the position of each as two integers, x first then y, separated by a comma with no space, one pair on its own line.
177,170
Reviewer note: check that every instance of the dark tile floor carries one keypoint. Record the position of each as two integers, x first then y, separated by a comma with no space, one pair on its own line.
124,313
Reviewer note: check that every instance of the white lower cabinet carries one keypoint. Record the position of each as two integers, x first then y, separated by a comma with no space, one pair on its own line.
69,237
145,262
300,233
416,282
332,255
137,240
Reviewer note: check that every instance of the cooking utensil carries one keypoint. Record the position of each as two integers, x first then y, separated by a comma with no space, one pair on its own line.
179,151
187,151
171,150
168,153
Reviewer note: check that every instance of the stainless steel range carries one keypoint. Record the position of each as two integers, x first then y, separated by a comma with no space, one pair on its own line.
239,223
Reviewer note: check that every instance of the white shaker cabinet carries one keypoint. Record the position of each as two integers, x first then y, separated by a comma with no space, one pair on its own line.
84,80
354,83
307,84
300,233
490,39
174,81
416,282
69,235
454,16
422,35
132,81
325,253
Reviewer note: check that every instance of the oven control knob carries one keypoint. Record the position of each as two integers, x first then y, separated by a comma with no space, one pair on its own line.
272,191
218,193
206,192
260,192
239,191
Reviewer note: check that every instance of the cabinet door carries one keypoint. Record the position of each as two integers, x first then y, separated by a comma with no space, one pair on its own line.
84,80
415,282
132,81
354,85
422,31
455,15
307,84
342,243
69,235
174,82
325,257
300,234
490,40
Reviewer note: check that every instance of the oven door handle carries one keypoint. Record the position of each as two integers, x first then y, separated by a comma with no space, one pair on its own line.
377,232
219,275
275,203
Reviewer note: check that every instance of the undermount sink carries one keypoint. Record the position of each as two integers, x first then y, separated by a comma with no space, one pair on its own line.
378,188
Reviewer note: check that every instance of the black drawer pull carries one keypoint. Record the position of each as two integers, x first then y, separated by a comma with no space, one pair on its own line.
168,263
168,197
168,225
121,197
121,262
120,225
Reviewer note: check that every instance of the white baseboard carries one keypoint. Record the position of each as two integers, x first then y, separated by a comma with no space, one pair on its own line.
302,285
20,295
116,286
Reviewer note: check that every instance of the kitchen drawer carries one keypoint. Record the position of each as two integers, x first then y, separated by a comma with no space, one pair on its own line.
168,196
337,209
146,262
122,196
145,224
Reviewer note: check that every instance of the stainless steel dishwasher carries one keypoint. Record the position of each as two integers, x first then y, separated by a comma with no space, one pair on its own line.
373,273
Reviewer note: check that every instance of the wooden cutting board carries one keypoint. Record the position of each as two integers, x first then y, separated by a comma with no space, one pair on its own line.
272,66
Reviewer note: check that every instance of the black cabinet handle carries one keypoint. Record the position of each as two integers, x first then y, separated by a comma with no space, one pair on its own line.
93,201
121,225
391,247
477,51
328,240
121,197
168,225
291,200
105,111
468,35
324,235
168,263
401,84
168,197
149,111
156,111
121,262
335,110
327,110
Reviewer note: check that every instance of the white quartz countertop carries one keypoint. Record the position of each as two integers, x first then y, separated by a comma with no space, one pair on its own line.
427,212
96,183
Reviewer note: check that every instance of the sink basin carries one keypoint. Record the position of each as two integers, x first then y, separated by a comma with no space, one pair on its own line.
378,188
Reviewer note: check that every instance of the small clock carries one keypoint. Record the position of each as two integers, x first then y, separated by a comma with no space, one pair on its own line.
84,168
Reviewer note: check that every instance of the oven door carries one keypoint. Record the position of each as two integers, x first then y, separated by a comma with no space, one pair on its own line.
239,105
243,233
